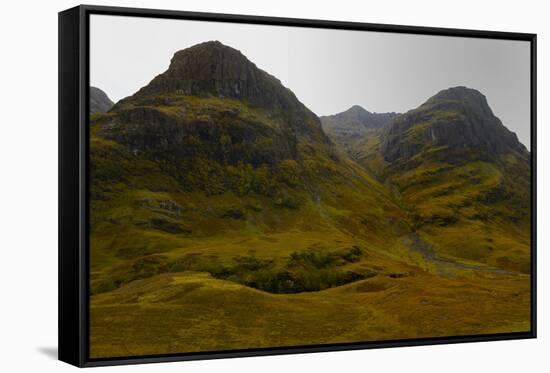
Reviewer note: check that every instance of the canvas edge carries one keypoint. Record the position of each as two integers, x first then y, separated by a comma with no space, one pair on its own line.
69,195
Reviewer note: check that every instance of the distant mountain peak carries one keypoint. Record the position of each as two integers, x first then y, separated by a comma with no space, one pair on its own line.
99,101
357,109
355,121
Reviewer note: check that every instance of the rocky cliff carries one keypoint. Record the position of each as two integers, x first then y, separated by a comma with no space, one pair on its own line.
457,118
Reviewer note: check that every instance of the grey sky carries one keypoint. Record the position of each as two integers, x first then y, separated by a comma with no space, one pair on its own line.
328,70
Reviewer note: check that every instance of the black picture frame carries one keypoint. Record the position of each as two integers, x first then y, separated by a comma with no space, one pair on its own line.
74,182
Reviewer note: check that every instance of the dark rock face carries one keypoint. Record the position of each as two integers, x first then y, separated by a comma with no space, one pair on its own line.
99,101
355,121
458,118
213,69
219,137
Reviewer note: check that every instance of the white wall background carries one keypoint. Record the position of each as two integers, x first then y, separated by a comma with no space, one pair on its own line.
28,185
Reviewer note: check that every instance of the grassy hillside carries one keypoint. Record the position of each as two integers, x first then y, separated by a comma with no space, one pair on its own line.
198,255
193,312
223,217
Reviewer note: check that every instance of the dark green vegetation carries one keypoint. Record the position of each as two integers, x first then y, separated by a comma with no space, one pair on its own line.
223,217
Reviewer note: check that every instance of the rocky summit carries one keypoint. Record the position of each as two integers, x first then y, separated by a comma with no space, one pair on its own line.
214,69
455,118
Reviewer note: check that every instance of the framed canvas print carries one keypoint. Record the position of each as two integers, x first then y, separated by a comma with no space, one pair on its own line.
237,186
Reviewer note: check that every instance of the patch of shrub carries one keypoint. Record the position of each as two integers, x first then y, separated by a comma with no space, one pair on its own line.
442,220
233,214
353,254
167,225
105,286
252,263
312,259
287,281
196,262
286,201
324,259
398,275
304,271
146,267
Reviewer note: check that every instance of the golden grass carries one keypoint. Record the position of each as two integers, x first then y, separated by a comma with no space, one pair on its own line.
192,312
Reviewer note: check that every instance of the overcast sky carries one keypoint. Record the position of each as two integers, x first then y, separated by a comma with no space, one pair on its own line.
328,70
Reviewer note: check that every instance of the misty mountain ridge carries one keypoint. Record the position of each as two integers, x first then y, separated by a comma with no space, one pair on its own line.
355,121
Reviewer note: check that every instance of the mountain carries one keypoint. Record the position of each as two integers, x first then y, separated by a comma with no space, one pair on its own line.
458,119
215,148
355,121
216,196
215,105
99,101
213,69
352,129
462,176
